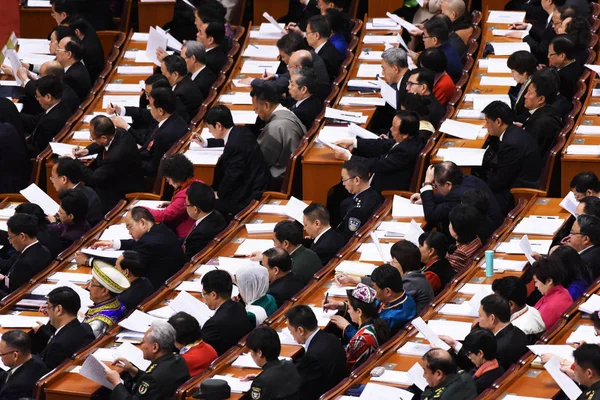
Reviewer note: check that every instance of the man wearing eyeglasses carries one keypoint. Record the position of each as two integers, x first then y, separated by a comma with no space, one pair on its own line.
421,82
585,238
24,369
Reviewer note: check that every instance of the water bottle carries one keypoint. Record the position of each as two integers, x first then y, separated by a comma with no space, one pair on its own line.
489,263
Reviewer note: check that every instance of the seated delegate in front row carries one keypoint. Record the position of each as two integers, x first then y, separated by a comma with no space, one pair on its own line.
433,247
71,223
482,349
283,282
253,284
140,287
325,241
24,368
198,354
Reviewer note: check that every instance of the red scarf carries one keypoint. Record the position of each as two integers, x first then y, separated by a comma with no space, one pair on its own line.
486,367
184,185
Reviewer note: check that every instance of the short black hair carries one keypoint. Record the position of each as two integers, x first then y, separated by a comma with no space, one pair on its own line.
481,340
177,167
338,22
23,223
589,225
316,211
433,59
356,168
63,31
75,46
496,305
563,44
438,28
409,123
51,85
18,340
579,30
34,210
440,360
386,276
447,171
545,268
69,168
210,10
435,240
175,63
187,328
74,202
499,109
465,222
103,126
278,258
584,181
306,77
265,91
591,205
220,114
201,195
415,102
478,200
288,230
587,356
218,281
302,315
215,30
407,255
319,24
291,43
65,6
424,76
164,98
265,339
67,298
77,22
546,83
152,79
131,261
512,289
575,268
139,213
522,61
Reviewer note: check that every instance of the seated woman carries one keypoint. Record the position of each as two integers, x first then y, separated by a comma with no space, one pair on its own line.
548,275
435,59
438,271
577,274
481,347
372,330
253,283
71,218
578,29
464,220
50,239
198,355
522,65
178,171
338,23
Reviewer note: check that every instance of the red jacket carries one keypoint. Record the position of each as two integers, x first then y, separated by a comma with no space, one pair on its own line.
199,357
175,215
444,89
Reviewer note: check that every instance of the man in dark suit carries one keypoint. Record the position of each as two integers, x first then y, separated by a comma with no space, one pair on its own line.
117,170
157,246
174,68
299,12
306,105
212,37
19,381
63,335
140,287
436,31
391,162
194,55
585,238
544,122
283,282
287,235
66,174
96,11
69,54
317,36
30,104
326,242
561,55
200,206
304,59
421,81
230,322
93,54
30,257
512,158
241,174
323,364
49,91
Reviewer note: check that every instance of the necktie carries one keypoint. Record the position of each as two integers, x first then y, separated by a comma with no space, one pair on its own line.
10,372
150,141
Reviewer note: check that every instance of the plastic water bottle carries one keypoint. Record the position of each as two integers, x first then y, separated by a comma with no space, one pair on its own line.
489,263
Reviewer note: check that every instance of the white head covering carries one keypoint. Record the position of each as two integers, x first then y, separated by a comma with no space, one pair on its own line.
253,283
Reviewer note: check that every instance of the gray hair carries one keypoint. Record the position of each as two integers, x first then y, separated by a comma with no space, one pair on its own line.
163,334
396,56
195,49
305,77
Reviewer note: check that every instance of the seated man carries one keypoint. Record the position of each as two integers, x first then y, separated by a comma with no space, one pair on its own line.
241,174
283,130
63,335
326,242
585,238
317,37
24,369
585,184
209,222
443,378
561,55
512,158
323,364
107,282
30,256
230,322
279,378
586,369
71,223
212,37
93,54
287,235
175,69
390,161
283,283
167,372
158,247
456,11
421,81
140,287
302,88
69,54
194,55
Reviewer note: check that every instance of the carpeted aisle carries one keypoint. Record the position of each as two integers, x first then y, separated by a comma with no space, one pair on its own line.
9,19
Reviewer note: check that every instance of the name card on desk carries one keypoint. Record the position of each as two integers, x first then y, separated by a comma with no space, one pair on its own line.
369,70
135,70
463,157
461,130
588,129
243,117
505,17
506,49
261,51
497,81
362,101
584,150
259,67
35,195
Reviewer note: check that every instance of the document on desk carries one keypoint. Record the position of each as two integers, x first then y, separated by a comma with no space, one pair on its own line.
274,23
102,252
190,286
567,385
584,333
117,231
505,32
249,246
379,39
140,37
384,256
156,40
472,288
369,70
83,135
332,134
583,150
506,17
95,370
501,264
513,246
361,132
243,117
374,391
461,130
369,252
455,329
403,208
236,98
363,85
38,3
392,229
462,156
414,349
135,70
276,209
122,101
21,321
481,101
254,229
462,310
70,276
362,101
508,48
559,350
185,302
13,59
591,110
84,294
332,146
34,58
338,291
66,150
469,114
268,31
34,46
261,51
259,67
138,321
142,57
370,55
35,195
382,23
7,213
588,129
323,316
591,305
393,377
200,157
295,208
497,81
88,118
355,268
351,116
426,331
495,65
539,225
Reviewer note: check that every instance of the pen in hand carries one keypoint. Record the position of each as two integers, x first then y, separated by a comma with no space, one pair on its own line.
265,74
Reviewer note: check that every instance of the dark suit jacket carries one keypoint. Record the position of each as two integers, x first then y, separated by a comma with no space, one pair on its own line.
517,98
159,141
305,263
323,82
204,80
328,245
78,78
93,54
14,160
538,40
32,107
190,95
47,127
436,111
544,125
115,172
485,380
160,251
23,380
457,44
54,348
308,110
216,59
391,163
203,233
139,290
569,76
95,211
592,258
300,13
229,324
241,174
23,266
284,288
332,59
322,366
97,12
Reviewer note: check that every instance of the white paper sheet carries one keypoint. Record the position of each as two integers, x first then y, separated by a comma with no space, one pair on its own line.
261,51
259,67
132,354
461,310
363,84
38,3
275,209
584,333
388,94
394,377
190,286
559,350
369,252
416,375
583,150
295,209
100,252
65,149
123,101
13,60
370,55
117,231
507,265
35,195
546,226
462,156
414,349
497,81
135,70
21,321
525,246
350,116
472,288
355,268
481,101
513,247
591,305
323,316
402,208
362,101
455,329
236,385
414,232
260,228
374,391
243,117
379,39
138,321
236,98
566,384
587,129
369,70
124,88
469,114
70,276
156,40
95,370
333,146
429,334
185,302
249,246
507,48
405,24
505,17
461,130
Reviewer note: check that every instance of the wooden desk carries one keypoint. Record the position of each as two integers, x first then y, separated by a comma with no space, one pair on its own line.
36,23
154,13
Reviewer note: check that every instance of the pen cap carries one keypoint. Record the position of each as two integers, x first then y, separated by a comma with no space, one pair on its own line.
489,263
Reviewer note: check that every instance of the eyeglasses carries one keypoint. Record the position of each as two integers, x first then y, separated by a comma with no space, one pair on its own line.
93,285
8,352
409,83
426,37
10,238
189,205
576,233
346,180
552,54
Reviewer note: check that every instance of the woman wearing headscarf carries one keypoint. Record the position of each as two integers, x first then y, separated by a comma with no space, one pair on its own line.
253,284
14,162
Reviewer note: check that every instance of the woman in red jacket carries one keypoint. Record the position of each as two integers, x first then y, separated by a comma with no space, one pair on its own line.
435,60
198,355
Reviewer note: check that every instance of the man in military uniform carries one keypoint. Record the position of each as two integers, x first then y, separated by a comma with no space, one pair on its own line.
586,370
107,282
357,210
444,381
162,378
279,380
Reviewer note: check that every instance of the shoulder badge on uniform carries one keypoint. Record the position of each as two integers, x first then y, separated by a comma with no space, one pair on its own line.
150,368
438,392
353,224
255,393
143,388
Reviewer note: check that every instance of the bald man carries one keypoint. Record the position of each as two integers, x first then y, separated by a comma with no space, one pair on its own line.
456,10
306,59
444,381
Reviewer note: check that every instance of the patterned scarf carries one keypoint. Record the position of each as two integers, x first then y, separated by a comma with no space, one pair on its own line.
486,367
184,185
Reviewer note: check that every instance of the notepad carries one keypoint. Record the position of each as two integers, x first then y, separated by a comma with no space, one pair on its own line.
243,117
351,116
583,150
261,51
369,70
508,48
355,268
259,67
260,228
136,70
70,276
539,226
249,246
236,98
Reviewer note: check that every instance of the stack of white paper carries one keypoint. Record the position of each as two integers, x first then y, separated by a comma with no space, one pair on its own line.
355,268
402,208
260,228
414,349
505,32
285,337
393,229
70,276
249,246
261,51
66,150
361,101
591,305
583,150
128,70
369,252
35,195
21,321
157,39
236,98
369,70
190,286
361,132
236,384
539,225
374,391
117,231
243,117
507,48
462,156
459,129
259,67
497,66
201,157
122,101
350,116
505,17
381,24
497,81
332,134
138,321
165,312
102,252
512,247
123,88
7,213
584,333
140,37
